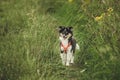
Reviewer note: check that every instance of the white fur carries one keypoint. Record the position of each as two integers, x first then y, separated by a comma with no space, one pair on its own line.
77,47
68,57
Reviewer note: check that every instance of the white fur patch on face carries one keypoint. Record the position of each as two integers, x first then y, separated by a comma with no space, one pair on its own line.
61,34
69,35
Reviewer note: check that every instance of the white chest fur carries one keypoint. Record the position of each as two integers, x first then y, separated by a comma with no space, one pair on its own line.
65,43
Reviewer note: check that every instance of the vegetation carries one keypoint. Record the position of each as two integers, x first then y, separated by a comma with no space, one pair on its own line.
29,45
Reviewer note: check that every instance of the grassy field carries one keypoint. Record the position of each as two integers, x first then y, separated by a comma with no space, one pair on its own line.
29,43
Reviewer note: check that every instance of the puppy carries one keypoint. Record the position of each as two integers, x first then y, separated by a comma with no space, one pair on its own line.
67,45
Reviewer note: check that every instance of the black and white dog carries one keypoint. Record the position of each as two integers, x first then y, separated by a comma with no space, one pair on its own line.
67,45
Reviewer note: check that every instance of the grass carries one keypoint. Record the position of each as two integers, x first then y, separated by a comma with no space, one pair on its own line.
29,45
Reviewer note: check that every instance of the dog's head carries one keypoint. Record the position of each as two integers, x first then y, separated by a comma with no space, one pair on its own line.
65,32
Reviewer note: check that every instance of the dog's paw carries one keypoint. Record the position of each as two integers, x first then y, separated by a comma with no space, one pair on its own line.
67,64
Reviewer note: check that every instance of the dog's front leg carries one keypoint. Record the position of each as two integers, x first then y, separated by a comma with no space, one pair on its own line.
68,58
63,57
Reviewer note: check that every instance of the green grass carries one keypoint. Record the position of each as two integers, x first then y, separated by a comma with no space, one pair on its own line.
29,43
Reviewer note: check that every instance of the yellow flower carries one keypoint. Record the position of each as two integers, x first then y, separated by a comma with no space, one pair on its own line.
98,18
110,9
70,1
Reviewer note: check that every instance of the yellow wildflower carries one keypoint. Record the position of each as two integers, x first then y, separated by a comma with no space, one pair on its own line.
110,9
98,18
70,1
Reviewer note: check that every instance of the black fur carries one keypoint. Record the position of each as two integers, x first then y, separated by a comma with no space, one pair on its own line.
65,30
73,44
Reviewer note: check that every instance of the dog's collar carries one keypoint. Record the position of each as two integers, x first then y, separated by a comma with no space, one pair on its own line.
65,47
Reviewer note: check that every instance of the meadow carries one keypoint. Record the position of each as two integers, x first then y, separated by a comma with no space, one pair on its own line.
29,40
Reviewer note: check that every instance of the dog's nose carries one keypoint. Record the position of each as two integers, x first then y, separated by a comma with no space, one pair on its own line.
64,36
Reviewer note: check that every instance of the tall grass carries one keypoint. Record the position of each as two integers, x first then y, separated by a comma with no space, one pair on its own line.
29,45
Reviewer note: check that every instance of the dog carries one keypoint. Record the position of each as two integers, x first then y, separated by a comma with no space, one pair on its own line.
68,45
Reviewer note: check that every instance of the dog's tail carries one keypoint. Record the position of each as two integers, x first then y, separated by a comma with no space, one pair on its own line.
77,47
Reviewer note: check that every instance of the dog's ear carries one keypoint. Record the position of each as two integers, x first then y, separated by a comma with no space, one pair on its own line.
59,28
70,28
